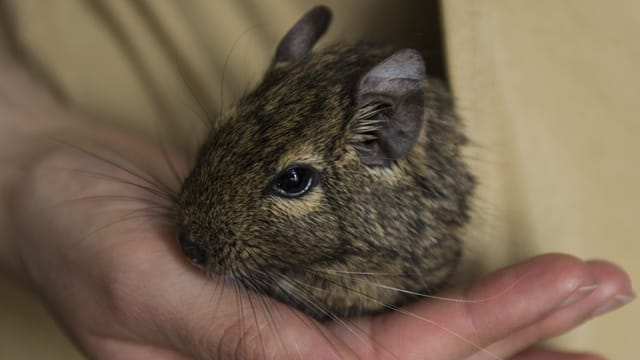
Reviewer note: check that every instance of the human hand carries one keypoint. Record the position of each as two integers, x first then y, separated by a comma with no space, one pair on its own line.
99,253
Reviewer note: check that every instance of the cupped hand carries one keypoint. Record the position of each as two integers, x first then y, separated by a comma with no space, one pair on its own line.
96,243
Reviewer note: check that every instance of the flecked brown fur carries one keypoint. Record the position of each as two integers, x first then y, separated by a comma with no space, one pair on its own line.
362,231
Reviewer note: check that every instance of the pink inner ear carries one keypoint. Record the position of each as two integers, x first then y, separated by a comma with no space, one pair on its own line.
397,81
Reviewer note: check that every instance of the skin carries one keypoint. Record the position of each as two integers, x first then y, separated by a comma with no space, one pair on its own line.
124,291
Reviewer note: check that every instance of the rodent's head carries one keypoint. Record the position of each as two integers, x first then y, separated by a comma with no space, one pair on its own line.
338,177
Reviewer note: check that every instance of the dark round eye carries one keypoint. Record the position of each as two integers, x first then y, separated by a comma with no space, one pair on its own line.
295,181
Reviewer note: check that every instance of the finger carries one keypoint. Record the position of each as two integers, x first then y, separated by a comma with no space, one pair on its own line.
518,296
545,354
613,290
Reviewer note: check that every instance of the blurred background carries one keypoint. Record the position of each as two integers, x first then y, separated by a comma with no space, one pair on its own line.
548,90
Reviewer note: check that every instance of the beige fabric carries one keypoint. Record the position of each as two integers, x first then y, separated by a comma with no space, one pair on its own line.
548,89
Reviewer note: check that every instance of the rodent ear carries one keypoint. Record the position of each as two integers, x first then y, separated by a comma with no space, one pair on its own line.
390,102
303,35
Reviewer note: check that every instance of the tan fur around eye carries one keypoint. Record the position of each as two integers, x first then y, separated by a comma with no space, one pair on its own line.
298,207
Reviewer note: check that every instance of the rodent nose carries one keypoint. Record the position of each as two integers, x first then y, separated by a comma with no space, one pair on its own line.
191,249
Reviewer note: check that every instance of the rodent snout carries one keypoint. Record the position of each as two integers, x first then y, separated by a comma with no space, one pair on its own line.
194,252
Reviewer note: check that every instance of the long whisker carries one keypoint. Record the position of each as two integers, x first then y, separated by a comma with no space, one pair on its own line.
148,189
268,308
240,305
428,296
174,171
293,298
124,198
427,320
128,217
449,331
369,273
265,301
300,297
350,328
226,62
305,297
221,284
152,181
258,327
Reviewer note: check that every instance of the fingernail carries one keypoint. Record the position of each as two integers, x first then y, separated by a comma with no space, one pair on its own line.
579,294
616,302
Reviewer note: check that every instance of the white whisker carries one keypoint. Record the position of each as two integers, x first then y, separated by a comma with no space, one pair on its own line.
435,297
429,321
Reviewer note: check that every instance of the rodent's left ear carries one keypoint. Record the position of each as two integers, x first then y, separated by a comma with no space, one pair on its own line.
390,102
303,35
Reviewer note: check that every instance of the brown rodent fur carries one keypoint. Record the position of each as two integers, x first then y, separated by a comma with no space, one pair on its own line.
337,181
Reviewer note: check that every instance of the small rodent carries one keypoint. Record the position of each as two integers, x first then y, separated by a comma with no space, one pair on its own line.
337,185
